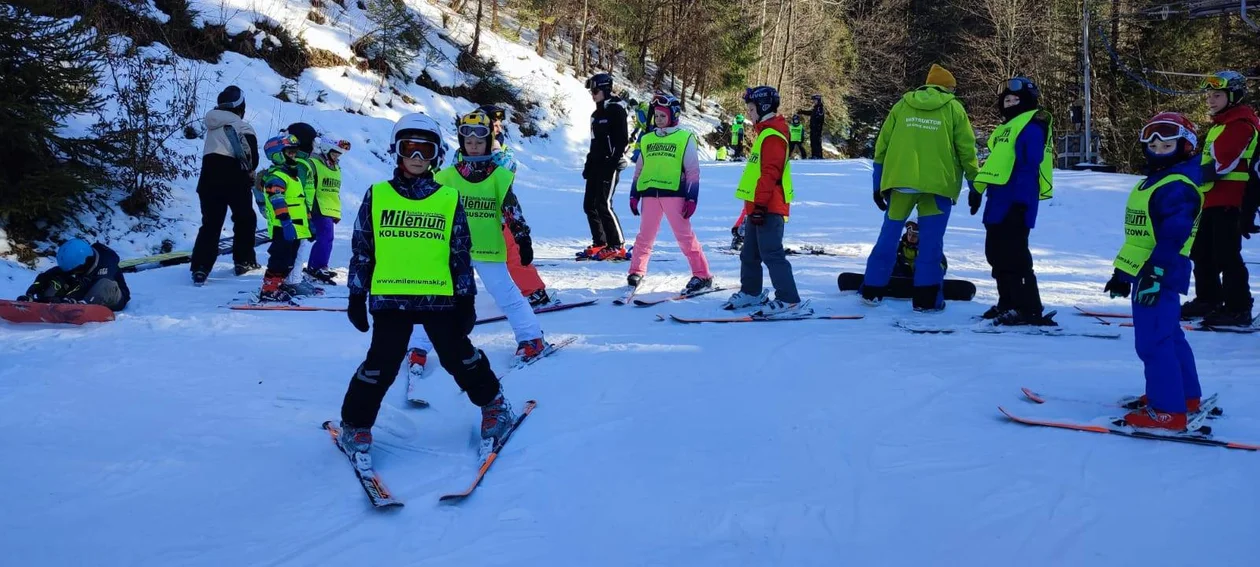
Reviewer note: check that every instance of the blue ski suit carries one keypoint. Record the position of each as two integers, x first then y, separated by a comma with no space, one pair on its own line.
1171,376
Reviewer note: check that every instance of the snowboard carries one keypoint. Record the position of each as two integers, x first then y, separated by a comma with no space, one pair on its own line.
183,256
903,288
58,313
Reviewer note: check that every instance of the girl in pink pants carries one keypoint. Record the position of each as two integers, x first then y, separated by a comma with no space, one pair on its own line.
667,184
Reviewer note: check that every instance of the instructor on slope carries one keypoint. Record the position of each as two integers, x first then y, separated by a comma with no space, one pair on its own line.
928,147
609,136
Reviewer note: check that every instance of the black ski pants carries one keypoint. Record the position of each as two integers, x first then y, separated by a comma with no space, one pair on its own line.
815,140
1006,249
216,201
796,146
1220,276
391,331
281,254
598,204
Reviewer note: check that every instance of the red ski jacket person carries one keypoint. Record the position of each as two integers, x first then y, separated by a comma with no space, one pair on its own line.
1227,156
773,155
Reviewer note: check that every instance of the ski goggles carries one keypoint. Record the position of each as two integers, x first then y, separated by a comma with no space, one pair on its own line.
1214,82
1016,85
1166,131
424,149
474,130
495,113
344,145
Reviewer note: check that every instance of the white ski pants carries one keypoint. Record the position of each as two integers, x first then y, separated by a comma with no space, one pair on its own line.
303,254
495,278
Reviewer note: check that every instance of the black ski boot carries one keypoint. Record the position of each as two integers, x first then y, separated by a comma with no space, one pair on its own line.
1197,307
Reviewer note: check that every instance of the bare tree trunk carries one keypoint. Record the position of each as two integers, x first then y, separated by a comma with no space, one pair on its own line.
586,13
762,42
476,44
494,15
787,40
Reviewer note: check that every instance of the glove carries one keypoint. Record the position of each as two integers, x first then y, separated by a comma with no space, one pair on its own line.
735,232
23,298
974,200
1148,287
336,220
288,230
758,216
879,200
1118,286
526,244
1247,223
689,208
634,205
357,312
585,168
623,163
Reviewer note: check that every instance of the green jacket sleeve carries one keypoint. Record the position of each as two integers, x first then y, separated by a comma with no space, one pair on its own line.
886,134
965,141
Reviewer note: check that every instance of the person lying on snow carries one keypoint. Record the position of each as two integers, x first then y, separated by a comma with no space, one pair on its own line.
85,273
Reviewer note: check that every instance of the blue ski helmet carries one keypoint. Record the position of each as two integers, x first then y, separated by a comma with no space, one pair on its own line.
74,254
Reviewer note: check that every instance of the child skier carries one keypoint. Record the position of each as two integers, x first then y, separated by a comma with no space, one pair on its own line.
1222,295
908,253
796,137
1016,177
522,270
766,189
327,210
411,252
284,208
1159,228
667,184
298,280
485,192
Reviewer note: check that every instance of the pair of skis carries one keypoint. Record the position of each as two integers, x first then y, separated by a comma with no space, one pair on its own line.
1196,434
414,377
990,329
629,296
1105,316
381,497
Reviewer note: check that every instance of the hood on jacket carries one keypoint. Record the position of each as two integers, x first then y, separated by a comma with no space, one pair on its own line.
776,122
217,118
1238,113
927,98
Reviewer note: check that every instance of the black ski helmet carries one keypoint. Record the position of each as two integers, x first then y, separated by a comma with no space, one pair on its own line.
765,97
306,135
601,81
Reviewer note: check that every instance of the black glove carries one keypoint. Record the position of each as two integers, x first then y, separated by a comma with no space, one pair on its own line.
880,201
23,298
1247,224
585,169
357,312
526,244
466,312
974,201
758,216
1118,286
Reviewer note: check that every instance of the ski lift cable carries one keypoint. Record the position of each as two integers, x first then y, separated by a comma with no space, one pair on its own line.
1139,79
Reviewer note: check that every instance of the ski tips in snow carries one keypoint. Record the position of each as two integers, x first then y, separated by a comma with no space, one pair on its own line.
494,455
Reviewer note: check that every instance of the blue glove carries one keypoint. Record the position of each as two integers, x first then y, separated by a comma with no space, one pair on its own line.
290,231
1148,287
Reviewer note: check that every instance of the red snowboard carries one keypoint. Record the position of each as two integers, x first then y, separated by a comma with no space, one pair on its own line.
63,313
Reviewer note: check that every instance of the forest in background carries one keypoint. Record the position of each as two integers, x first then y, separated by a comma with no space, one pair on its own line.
862,55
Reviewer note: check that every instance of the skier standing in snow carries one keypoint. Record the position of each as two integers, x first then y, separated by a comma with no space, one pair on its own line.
228,161
284,207
816,119
1222,293
766,189
327,210
797,138
485,193
609,138
924,149
298,280
1159,229
524,274
737,137
85,273
667,184
411,252
1016,177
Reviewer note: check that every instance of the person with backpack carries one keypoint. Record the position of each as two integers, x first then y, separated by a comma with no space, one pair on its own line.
925,149
485,193
1016,177
796,137
667,185
604,162
85,273
326,212
766,189
229,158
1222,294
411,253
1153,266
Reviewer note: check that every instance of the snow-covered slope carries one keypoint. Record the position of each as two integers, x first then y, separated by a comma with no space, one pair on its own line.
188,434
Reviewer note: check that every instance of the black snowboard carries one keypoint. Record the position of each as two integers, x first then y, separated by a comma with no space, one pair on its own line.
955,290
261,237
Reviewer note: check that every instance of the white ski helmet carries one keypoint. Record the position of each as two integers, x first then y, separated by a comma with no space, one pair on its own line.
417,123
324,145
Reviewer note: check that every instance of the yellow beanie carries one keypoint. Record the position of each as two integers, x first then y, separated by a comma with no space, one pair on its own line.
940,77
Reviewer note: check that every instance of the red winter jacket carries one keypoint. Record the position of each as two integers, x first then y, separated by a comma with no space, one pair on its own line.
773,159
1241,125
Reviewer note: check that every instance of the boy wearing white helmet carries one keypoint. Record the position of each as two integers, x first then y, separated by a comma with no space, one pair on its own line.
411,253
326,211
